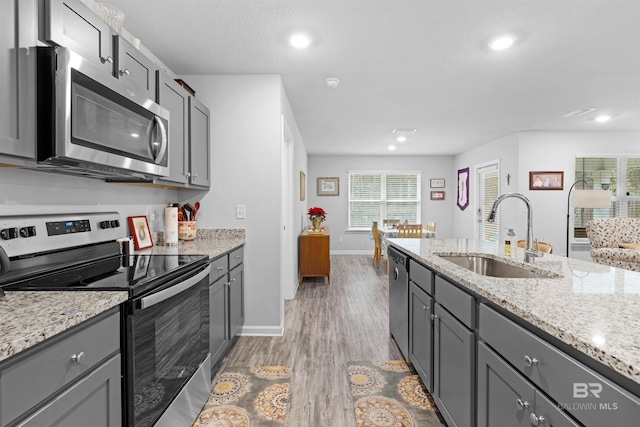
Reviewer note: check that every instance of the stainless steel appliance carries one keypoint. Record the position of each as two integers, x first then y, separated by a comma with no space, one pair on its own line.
92,124
399,300
165,322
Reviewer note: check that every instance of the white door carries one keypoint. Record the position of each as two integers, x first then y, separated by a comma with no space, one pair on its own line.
287,264
488,183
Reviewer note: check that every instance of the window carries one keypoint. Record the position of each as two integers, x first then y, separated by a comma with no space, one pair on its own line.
621,175
378,195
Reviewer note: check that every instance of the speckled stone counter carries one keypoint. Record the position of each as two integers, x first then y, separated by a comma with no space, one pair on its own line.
212,242
591,307
27,318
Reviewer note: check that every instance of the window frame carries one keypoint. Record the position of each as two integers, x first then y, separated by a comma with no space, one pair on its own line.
383,200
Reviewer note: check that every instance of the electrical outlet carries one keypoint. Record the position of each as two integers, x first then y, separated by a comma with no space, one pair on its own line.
241,212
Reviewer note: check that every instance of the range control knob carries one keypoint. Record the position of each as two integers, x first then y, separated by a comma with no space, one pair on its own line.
9,233
105,224
114,223
29,231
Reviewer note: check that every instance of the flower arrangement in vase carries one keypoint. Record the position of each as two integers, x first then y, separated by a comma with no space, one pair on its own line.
317,216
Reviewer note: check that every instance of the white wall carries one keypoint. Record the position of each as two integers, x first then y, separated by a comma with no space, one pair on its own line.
337,206
246,170
25,191
538,151
505,150
556,151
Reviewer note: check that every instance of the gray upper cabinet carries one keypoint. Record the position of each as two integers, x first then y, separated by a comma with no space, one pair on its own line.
199,133
176,100
71,24
133,67
18,35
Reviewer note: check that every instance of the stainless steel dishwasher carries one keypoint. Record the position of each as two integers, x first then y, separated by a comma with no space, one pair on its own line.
399,300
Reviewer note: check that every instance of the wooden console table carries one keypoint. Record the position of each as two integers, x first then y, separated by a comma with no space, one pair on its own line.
314,254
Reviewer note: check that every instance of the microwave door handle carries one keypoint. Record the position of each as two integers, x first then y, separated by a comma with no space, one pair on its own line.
163,139
165,294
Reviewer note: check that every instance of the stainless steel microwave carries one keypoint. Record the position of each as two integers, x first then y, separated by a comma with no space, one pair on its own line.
90,123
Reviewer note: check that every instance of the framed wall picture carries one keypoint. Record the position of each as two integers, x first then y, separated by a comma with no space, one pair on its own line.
437,195
539,180
303,186
139,227
436,182
463,188
328,186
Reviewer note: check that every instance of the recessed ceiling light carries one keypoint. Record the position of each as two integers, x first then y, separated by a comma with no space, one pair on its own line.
332,82
392,147
603,118
300,40
401,138
502,42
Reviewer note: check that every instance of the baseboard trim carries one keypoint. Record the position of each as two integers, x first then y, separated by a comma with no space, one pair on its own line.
262,331
356,252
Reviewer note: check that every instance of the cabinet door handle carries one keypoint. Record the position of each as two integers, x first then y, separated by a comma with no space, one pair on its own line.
125,72
78,358
434,316
536,420
107,59
220,268
233,280
521,405
529,361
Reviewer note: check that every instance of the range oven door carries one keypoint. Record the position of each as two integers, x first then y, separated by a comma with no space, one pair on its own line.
166,342
90,121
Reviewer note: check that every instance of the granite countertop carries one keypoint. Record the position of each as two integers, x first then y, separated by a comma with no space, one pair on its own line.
30,317
591,307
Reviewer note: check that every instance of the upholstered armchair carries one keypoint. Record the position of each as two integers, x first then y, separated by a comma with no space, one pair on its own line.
615,242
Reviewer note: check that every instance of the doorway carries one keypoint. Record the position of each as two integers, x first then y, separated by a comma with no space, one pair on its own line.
487,191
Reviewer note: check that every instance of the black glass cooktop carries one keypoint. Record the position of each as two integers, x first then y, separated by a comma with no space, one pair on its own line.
135,273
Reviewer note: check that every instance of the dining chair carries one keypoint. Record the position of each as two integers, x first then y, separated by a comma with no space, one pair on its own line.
390,222
430,226
410,231
547,248
377,253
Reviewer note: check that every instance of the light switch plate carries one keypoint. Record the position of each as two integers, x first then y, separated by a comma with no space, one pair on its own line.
241,212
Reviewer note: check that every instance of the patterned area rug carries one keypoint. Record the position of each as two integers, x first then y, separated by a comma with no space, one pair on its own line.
247,397
389,394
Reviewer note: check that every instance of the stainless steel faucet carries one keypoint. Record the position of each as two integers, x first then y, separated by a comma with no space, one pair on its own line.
529,252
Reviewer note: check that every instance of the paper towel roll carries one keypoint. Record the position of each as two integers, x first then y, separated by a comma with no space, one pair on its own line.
171,226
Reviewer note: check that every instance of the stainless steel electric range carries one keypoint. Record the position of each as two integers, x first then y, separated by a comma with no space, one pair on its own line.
165,322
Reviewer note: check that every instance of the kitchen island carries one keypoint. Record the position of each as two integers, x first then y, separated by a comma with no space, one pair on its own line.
583,313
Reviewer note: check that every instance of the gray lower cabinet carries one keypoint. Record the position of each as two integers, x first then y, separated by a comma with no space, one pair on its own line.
18,36
226,304
586,395
453,368
219,331
421,333
71,380
506,399
93,401
236,300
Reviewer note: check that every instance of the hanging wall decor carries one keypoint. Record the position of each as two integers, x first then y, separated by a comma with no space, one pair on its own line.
463,188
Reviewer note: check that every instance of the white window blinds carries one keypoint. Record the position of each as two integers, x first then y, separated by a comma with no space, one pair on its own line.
378,195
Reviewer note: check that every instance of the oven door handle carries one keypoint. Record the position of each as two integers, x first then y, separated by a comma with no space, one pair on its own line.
165,294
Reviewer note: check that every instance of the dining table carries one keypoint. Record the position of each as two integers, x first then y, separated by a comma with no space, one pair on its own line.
389,232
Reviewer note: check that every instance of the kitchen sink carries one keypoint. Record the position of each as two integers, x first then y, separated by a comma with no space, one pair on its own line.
486,266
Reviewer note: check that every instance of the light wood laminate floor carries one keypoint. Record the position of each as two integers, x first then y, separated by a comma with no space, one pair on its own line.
325,327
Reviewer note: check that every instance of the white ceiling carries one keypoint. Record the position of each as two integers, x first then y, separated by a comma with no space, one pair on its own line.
413,64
